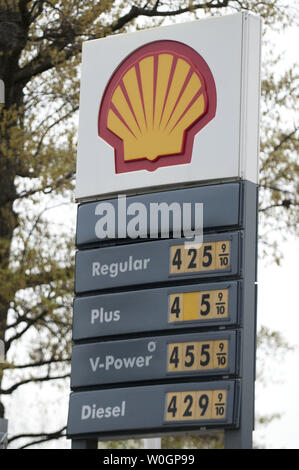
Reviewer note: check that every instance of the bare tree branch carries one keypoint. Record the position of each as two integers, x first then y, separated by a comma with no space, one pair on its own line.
46,436
43,62
46,189
40,441
18,335
33,280
286,203
275,188
135,12
35,364
47,378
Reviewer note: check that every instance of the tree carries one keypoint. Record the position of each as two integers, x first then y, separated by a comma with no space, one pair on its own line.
40,53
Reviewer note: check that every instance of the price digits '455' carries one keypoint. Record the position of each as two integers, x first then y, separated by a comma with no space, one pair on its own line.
211,256
203,355
196,405
203,305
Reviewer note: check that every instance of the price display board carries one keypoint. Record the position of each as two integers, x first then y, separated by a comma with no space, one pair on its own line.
160,357
201,300
168,308
198,305
144,409
196,405
211,256
198,355
158,261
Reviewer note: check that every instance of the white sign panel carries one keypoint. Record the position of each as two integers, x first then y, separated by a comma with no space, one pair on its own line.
169,106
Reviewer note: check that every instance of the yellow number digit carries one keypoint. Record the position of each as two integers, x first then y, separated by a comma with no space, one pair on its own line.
220,354
203,405
176,307
188,401
173,406
220,303
174,357
222,255
208,256
205,354
176,261
219,404
189,356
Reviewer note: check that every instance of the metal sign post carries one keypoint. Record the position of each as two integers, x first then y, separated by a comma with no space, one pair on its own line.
163,326
3,433
2,92
154,443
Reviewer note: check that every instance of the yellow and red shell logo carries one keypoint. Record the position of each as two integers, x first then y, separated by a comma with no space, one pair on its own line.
156,101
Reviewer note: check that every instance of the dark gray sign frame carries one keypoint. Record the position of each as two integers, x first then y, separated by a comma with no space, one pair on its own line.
243,268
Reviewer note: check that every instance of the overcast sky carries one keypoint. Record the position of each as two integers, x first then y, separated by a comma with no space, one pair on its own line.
278,309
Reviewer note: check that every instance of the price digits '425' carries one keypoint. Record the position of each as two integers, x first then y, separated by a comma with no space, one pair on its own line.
211,256
203,305
196,405
202,355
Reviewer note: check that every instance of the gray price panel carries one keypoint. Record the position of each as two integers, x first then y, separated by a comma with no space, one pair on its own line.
155,358
136,411
169,308
221,203
157,261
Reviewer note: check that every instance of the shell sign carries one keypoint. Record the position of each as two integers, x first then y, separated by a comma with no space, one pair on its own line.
155,102
169,107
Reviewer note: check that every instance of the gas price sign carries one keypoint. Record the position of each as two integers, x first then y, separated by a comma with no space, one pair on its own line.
164,313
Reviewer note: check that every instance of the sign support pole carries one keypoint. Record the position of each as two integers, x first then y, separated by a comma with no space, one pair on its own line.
3,433
152,443
86,444
241,438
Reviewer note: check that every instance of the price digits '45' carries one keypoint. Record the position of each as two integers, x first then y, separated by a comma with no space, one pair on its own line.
196,405
211,256
203,305
203,355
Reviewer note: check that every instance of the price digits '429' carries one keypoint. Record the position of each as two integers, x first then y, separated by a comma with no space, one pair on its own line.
196,405
211,256
202,355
